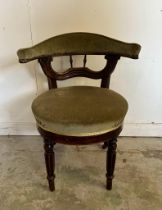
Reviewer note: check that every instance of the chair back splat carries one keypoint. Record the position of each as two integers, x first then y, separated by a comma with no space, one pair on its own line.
79,115
103,74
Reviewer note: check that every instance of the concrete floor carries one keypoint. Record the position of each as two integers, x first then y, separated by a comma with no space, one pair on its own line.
80,176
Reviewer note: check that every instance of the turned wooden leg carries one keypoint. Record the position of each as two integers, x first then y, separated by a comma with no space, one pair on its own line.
110,162
50,162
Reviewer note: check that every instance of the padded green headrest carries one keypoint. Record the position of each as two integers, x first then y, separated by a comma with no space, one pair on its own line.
79,44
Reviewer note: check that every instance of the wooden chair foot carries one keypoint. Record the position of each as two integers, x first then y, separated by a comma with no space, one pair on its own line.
109,184
51,185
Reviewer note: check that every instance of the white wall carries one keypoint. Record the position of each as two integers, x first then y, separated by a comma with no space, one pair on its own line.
26,22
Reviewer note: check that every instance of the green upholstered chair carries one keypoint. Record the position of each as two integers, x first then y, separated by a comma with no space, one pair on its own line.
79,115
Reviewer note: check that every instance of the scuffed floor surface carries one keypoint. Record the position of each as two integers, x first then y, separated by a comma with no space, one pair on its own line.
80,176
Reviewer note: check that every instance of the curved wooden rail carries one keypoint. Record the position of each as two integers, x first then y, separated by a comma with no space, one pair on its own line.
103,74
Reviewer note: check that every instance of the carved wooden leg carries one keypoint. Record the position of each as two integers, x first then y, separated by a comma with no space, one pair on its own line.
50,162
110,162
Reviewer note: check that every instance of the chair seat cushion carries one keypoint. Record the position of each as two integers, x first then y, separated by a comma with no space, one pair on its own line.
79,110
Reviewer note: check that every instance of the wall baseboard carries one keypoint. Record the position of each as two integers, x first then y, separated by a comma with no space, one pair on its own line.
142,129
130,129
18,128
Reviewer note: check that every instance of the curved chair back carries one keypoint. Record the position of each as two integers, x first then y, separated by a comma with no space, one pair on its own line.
79,44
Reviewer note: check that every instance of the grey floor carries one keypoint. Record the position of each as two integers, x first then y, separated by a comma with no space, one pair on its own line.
80,176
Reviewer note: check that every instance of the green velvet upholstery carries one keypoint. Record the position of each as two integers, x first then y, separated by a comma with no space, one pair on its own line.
78,44
79,110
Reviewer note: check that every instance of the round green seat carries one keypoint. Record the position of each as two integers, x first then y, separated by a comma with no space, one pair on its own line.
79,110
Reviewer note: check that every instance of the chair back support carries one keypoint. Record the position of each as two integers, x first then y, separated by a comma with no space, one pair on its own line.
79,44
